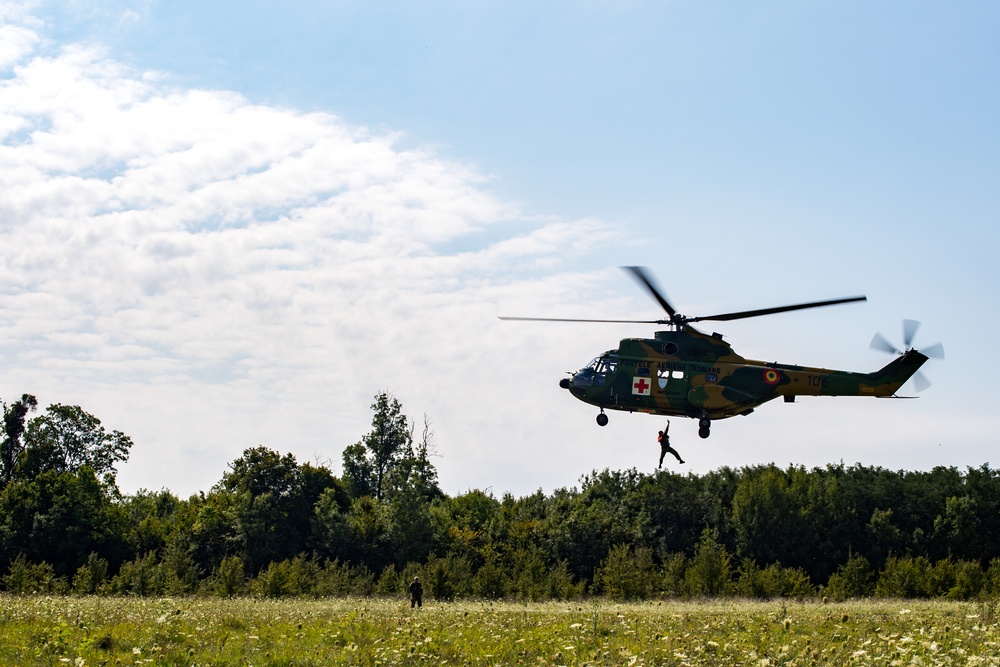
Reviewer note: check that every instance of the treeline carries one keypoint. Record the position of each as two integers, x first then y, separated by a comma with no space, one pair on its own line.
275,527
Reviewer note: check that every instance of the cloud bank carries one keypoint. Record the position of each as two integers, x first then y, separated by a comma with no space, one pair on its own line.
208,274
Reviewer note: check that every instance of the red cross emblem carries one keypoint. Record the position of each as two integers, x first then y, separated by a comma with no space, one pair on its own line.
641,387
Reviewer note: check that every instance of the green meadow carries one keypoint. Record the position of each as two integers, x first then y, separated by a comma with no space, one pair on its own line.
83,631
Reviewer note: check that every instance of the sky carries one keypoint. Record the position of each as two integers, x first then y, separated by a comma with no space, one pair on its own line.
232,224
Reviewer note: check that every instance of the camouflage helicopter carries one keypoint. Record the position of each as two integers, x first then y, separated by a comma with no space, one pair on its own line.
686,373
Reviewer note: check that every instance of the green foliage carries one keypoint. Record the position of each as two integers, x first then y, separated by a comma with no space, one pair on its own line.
181,575
444,578
390,582
904,578
853,579
12,444
91,577
490,581
708,573
67,439
916,577
152,519
274,501
341,579
673,576
626,574
883,536
26,578
140,576
562,585
359,471
369,463
296,577
230,578
991,579
59,518
528,581
213,523
305,577
275,581
968,581
773,581
410,531
332,529
275,528
368,524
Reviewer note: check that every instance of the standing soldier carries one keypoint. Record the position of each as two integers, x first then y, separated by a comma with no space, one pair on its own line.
665,447
416,593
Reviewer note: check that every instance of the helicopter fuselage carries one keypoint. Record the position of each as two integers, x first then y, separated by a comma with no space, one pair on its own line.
691,374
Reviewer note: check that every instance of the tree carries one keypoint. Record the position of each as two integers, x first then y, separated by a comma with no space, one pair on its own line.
275,498
767,503
60,517
411,531
853,579
66,439
368,464
413,470
13,427
627,573
359,474
708,572
957,531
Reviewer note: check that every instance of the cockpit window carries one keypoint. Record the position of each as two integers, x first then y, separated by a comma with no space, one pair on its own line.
594,373
607,364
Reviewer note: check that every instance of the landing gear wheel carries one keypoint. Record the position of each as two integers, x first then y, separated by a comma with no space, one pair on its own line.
602,419
704,432
705,423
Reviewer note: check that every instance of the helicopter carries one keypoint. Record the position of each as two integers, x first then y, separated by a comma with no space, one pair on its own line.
684,372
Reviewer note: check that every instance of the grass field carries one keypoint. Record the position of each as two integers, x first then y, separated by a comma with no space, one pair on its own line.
194,631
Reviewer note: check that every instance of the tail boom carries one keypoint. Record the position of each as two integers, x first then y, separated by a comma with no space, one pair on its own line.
881,383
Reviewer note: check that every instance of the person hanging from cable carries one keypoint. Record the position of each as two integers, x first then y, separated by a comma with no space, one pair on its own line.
665,447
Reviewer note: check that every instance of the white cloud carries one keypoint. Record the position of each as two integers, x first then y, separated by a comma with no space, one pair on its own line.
15,42
207,274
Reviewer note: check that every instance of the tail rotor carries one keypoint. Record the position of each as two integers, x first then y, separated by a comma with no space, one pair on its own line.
936,351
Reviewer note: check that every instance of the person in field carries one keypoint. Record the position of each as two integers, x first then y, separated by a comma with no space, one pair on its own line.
416,593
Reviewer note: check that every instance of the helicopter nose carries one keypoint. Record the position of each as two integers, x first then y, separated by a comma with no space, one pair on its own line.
564,383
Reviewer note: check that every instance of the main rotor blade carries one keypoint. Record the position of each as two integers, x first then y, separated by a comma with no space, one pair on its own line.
909,331
880,343
562,319
725,317
643,278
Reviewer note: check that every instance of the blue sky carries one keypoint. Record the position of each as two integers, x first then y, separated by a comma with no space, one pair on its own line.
230,224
